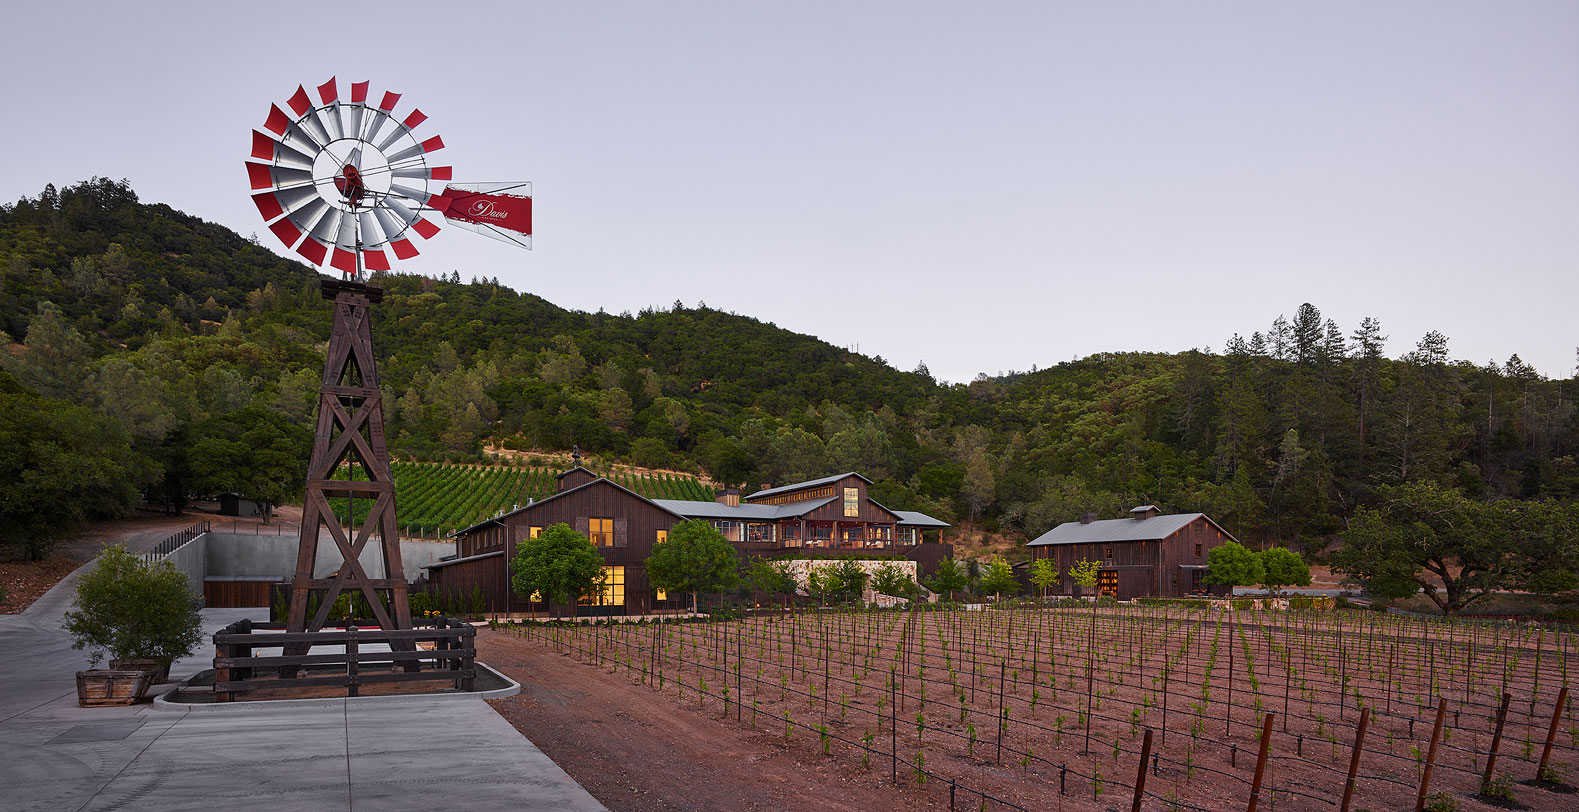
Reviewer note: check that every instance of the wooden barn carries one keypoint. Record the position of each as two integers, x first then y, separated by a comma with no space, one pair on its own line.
824,517
1144,555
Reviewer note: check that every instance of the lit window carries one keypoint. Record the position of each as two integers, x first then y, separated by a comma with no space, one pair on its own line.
662,595
663,536
613,590
534,532
601,532
852,501
1109,553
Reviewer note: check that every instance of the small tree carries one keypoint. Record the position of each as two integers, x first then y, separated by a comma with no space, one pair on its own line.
133,609
1283,567
890,580
1233,564
765,576
852,579
560,564
824,584
1044,575
1084,574
998,577
695,558
950,577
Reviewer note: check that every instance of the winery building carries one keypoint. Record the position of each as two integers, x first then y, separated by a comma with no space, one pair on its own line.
828,517
1144,555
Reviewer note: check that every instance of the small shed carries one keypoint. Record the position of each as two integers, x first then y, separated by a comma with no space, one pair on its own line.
234,504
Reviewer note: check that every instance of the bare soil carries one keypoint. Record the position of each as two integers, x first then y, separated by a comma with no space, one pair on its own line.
25,581
604,705
637,749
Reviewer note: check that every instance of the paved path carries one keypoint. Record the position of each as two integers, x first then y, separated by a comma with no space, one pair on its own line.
416,754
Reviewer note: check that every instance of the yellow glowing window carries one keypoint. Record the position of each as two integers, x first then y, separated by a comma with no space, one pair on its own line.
663,536
662,595
613,591
852,501
601,532
534,532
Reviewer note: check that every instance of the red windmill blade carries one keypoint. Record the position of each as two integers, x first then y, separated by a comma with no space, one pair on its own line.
345,182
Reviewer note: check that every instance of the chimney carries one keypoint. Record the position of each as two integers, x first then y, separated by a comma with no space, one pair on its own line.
1087,518
766,486
1143,512
729,496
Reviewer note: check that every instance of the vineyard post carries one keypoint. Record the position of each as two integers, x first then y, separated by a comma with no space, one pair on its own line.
1391,653
1140,772
1354,759
893,729
740,655
1430,755
1228,707
1551,732
1496,741
1002,721
1255,784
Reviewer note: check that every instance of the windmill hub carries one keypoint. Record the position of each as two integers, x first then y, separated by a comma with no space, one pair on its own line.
349,182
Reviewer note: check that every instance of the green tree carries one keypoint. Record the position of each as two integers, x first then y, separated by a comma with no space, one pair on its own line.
1044,574
998,578
130,608
695,558
1283,567
560,565
1433,540
1084,573
1233,564
824,584
852,579
950,577
765,576
60,466
890,580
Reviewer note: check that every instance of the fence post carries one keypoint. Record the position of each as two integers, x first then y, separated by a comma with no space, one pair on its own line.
893,728
1430,755
1140,772
1551,732
1354,759
1003,722
1266,739
1496,741
353,667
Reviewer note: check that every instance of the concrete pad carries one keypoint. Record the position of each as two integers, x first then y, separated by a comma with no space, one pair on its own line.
330,754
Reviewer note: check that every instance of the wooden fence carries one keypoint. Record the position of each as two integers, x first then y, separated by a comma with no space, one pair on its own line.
445,651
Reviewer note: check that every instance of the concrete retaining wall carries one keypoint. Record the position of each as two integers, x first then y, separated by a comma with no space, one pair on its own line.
192,560
244,555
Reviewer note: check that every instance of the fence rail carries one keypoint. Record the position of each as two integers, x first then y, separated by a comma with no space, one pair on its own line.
237,669
176,542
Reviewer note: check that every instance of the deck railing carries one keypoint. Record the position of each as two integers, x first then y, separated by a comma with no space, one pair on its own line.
452,656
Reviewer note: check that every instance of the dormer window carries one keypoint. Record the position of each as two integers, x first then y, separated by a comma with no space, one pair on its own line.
852,502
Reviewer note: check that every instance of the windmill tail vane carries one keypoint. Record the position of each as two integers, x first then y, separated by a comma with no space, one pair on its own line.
346,182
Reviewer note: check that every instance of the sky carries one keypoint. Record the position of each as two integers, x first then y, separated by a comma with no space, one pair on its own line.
981,186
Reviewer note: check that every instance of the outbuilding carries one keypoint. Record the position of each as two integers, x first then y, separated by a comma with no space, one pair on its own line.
1147,554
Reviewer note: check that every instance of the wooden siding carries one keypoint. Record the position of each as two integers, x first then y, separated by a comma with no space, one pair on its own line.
1146,568
237,594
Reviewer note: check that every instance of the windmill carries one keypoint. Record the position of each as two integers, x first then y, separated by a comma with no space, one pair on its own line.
347,183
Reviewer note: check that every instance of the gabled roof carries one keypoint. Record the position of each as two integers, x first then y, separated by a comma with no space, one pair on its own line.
810,483
741,513
1152,529
915,518
545,500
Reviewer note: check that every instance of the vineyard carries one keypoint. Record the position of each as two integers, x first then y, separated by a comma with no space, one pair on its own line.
432,499
1088,708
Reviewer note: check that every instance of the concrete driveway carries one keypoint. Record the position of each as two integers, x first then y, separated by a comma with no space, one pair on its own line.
399,754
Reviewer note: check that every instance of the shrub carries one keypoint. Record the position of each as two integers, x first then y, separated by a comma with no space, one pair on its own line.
129,608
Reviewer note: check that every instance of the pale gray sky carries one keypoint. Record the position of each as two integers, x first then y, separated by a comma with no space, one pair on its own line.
985,186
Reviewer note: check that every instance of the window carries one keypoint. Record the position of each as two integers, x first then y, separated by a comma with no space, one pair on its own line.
853,536
613,591
759,532
852,501
1108,554
534,532
662,595
663,536
1195,580
731,530
1107,582
1197,549
880,534
601,532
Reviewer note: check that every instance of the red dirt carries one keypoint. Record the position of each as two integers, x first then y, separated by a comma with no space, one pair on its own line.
25,581
635,749
585,714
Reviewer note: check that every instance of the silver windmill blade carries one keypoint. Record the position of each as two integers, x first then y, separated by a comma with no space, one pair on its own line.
372,233
346,237
326,226
391,227
399,210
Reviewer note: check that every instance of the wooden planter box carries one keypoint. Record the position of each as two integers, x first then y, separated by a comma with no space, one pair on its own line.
111,687
161,673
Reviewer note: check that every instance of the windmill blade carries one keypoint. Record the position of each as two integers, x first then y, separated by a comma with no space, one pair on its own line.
265,148
307,116
502,211
373,234
328,224
331,117
422,171
354,113
268,176
298,198
433,144
405,215
405,127
387,223
417,196
346,236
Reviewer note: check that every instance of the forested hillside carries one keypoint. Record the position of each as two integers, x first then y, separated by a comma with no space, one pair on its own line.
203,349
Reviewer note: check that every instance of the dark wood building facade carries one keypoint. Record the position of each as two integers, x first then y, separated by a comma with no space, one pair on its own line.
821,518
1144,555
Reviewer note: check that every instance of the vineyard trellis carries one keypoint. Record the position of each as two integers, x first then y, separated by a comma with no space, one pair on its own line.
434,498
1065,697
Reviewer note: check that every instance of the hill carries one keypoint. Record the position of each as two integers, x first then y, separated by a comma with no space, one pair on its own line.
204,347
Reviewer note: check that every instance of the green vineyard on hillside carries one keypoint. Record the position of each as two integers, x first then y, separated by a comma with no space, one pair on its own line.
436,498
